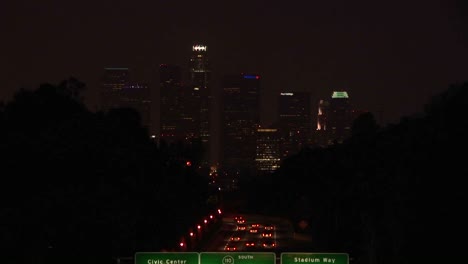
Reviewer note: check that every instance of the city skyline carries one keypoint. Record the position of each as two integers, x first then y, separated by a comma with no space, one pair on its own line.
181,108
288,152
390,58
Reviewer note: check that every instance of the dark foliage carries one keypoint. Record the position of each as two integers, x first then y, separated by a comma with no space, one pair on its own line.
80,186
386,195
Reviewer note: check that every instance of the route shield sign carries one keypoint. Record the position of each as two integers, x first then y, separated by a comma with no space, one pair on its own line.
166,257
237,258
314,258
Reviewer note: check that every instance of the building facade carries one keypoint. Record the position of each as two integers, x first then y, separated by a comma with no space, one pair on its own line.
241,118
334,119
200,88
294,121
340,116
179,106
119,91
114,80
320,135
268,155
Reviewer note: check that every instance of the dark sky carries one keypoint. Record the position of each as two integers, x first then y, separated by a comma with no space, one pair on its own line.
389,55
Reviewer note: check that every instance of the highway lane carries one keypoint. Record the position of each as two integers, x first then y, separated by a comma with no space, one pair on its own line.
261,234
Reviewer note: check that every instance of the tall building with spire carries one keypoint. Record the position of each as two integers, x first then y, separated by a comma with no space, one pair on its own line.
200,84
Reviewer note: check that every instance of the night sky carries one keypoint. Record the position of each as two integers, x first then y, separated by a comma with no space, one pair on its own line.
388,55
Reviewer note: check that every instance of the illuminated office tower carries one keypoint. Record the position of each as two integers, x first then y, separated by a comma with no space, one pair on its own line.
118,91
294,121
200,85
179,106
268,156
199,67
340,117
241,118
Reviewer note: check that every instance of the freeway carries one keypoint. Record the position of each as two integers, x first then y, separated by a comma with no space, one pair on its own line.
255,233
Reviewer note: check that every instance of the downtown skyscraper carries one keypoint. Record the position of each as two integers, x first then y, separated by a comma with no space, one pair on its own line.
294,121
179,107
241,119
200,85
113,82
340,117
119,91
334,119
268,156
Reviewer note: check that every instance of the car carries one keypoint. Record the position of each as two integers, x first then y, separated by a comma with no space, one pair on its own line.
255,225
230,247
269,227
253,230
235,238
250,243
238,217
268,243
267,234
241,227
240,220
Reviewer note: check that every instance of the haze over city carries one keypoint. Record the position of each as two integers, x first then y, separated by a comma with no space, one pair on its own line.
390,57
208,132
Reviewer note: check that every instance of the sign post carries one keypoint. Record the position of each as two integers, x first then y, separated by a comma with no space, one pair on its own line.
314,258
166,258
237,258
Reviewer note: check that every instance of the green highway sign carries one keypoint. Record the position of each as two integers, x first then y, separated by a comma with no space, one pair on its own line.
237,258
166,258
314,258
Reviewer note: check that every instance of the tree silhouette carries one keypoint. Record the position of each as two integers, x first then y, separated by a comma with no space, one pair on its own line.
87,186
364,124
386,195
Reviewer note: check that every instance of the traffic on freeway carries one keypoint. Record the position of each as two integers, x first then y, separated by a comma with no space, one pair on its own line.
250,233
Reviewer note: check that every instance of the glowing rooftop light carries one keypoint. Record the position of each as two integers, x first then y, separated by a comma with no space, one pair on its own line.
199,48
251,77
340,94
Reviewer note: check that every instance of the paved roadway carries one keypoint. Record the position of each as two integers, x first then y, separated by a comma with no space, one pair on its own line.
230,238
